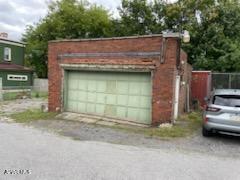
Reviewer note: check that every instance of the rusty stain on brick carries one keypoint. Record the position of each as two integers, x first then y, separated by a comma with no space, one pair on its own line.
108,67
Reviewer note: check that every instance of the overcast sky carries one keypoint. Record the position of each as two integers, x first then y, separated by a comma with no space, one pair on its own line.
15,15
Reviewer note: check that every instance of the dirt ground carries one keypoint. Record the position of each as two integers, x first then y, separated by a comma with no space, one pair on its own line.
19,105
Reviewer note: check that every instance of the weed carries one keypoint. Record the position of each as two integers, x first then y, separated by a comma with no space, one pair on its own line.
32,115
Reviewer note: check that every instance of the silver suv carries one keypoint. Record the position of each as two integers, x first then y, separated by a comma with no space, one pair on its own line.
222,112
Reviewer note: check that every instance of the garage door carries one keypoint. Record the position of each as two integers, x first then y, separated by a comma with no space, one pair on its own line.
120,95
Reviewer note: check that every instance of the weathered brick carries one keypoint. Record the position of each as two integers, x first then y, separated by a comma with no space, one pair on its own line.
163,78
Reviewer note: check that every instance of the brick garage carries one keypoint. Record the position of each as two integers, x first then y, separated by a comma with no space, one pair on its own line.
141,57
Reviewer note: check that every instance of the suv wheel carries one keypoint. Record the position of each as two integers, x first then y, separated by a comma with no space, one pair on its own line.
206,133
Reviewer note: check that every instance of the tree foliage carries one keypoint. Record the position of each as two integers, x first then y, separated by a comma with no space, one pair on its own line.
216,44
214,35
213,25
66,19
139,17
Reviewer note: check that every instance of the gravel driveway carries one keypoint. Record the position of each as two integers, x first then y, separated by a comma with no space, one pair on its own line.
57,149
51,157
19,105
220,145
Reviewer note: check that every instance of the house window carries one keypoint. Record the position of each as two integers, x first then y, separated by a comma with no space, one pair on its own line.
12,77
7,54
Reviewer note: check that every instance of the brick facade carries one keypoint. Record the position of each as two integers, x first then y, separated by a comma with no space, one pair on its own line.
163,74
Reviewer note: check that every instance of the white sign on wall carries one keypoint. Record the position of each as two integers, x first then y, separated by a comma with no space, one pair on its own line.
13,77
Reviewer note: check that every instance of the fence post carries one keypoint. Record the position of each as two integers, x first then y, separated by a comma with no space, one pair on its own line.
230,82
1,92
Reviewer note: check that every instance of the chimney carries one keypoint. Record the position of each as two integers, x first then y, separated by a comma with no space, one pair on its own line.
3,35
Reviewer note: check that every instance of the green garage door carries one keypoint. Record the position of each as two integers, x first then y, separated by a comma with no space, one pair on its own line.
120,95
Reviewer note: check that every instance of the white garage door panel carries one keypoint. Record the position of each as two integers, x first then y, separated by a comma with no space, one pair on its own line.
120,95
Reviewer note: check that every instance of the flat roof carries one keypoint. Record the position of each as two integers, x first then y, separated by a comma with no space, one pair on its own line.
103,39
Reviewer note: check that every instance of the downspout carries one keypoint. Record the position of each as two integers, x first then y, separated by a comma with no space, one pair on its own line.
176,98
177,81
178,77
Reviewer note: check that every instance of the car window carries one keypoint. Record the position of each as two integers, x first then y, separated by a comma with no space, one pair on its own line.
227,100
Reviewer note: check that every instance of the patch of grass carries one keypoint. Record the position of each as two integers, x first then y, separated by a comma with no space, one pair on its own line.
190,122
10,96
186,125
32,115
36,94
16,95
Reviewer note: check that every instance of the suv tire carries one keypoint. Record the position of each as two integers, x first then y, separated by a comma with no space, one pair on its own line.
206,133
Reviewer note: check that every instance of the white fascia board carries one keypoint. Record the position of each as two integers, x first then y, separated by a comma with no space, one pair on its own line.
12,43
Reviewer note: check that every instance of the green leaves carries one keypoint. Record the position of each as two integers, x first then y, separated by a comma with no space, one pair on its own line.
215,46
214,29
138,18
66,19
213,26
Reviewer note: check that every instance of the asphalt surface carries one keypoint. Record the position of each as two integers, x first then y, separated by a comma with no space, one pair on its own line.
219,145
49,156
56,149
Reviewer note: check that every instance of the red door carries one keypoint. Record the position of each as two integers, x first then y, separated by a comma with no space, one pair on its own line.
201,85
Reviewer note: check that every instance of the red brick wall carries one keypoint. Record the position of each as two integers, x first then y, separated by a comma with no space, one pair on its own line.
163,75
163,85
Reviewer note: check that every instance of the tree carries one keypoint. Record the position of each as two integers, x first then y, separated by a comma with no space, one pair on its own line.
215,37
213,26
138,17
66,19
